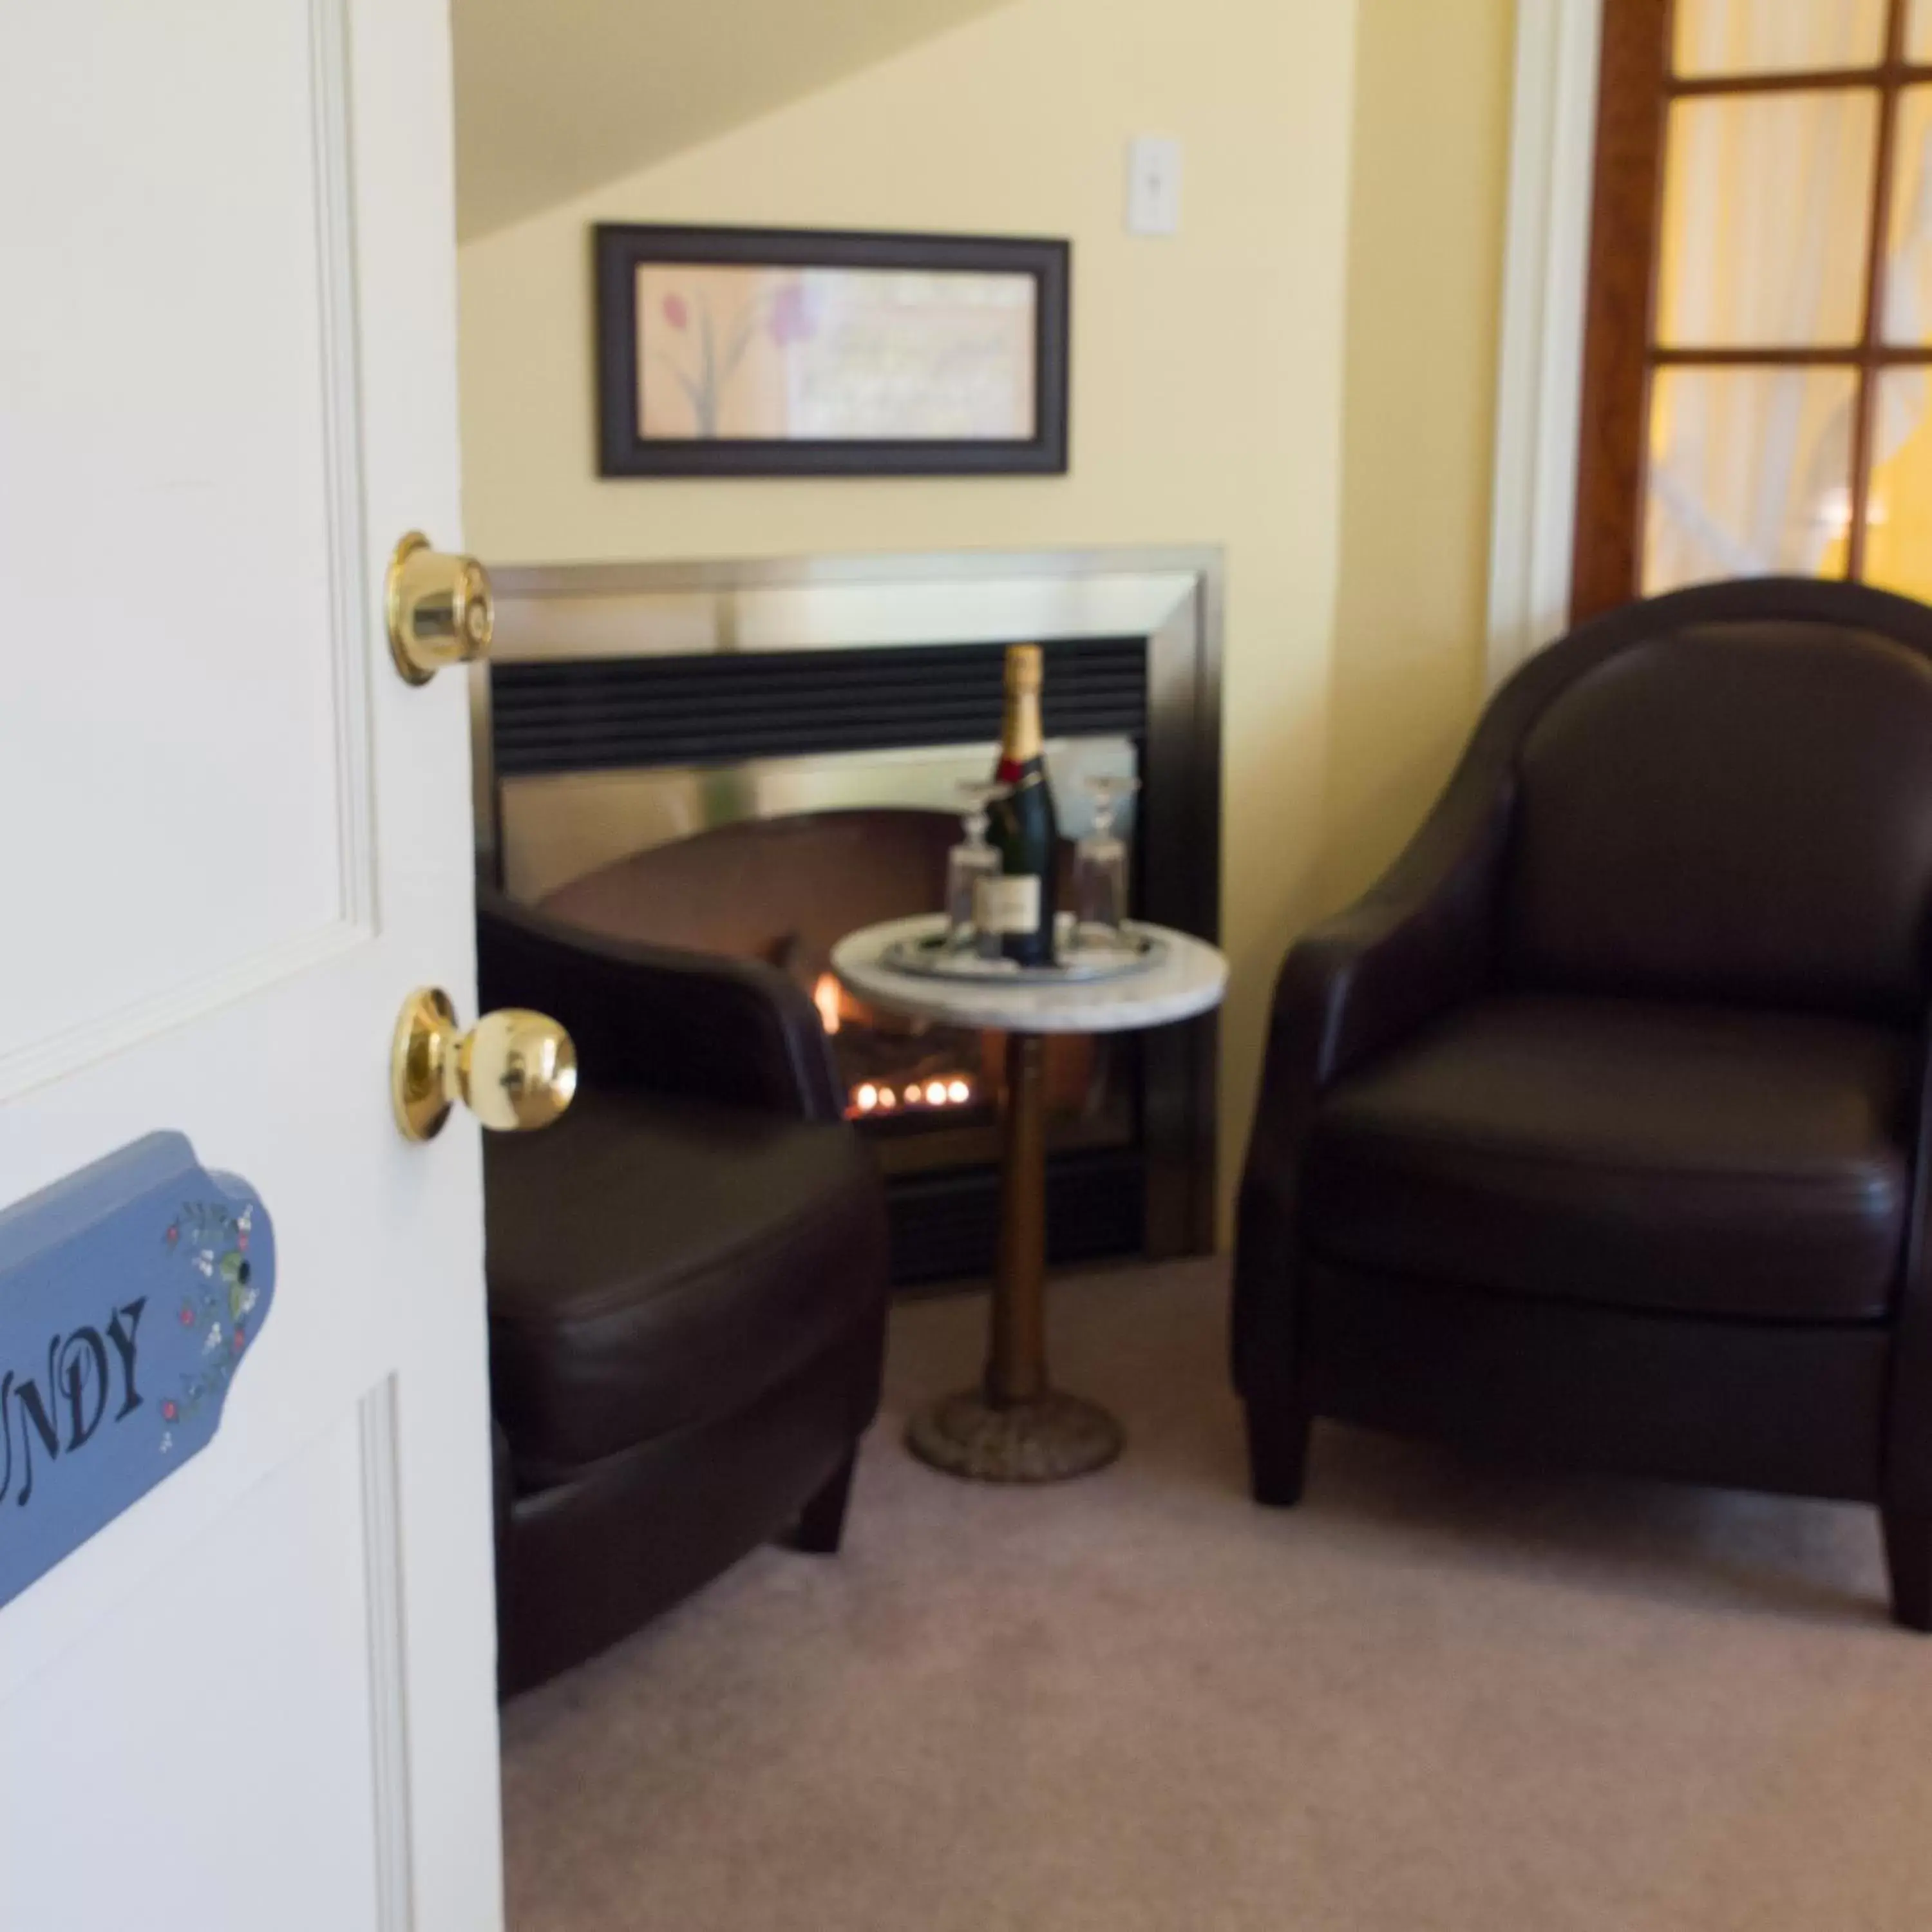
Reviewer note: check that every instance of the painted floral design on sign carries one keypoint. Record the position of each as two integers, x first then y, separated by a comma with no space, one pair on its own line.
213,1240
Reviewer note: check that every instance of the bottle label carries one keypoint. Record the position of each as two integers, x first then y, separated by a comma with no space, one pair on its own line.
1007,904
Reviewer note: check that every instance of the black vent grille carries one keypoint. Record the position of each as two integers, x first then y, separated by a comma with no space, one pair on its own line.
602,714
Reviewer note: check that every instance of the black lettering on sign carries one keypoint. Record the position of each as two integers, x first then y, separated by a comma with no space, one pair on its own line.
123,1338
33,1408
79,1384
83,1377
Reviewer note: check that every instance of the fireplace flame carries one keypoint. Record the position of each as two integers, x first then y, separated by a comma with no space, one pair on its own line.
825,998
877,1096
929,1093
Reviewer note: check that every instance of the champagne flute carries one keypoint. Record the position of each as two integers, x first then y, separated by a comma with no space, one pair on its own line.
1100,867
968,862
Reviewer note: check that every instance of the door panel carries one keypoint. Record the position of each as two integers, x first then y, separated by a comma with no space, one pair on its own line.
181,466
157,1697
235,841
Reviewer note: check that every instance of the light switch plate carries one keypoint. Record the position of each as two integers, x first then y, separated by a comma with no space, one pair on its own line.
1153,185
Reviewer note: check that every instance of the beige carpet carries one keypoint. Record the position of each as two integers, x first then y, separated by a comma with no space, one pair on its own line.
1437,1696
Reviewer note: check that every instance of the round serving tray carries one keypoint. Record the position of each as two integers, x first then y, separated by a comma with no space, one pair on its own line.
928,957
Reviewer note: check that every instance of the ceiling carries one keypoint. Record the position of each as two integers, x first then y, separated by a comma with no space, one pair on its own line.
554,97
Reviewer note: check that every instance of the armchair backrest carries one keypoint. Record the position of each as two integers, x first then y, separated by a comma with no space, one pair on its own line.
1729,796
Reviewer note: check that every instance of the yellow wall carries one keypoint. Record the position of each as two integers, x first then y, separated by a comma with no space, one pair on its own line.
1209,371
1426,222
554,97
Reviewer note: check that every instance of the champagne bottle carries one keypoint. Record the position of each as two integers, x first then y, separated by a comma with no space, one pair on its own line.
1018,906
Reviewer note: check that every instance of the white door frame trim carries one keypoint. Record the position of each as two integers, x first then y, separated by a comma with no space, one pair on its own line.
1539,377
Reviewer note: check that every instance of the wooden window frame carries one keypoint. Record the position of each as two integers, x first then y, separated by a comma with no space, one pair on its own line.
1620,353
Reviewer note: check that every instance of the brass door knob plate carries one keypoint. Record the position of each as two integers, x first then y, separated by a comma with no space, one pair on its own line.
439,608
515,1070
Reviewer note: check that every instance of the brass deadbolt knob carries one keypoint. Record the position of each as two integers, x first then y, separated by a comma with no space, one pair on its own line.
440,608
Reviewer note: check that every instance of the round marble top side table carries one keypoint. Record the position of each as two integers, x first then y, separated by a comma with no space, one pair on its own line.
1015,1427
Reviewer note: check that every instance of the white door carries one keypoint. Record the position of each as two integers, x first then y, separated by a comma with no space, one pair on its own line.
231,840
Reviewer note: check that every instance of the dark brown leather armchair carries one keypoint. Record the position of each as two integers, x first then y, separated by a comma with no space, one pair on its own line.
1596,1132
687,1288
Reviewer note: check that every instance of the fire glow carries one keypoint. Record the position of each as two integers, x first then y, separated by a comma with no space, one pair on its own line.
825,998
877,1096
928,1093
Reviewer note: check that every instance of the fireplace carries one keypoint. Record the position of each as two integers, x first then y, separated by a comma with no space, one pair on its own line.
753,760
784,889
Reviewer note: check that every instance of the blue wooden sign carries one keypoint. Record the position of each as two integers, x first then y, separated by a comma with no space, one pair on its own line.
130,1294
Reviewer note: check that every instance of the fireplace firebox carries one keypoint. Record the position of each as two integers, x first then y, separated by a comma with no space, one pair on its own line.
753,760
785,889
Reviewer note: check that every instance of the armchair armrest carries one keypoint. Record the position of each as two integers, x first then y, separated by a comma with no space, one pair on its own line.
669,1022
1419,941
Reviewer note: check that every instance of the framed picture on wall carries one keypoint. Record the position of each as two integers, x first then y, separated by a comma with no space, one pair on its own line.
741,351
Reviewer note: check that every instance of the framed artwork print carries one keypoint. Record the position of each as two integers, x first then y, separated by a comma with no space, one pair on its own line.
740,352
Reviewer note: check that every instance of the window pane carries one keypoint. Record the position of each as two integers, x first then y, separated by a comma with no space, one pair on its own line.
1918,32
1780,36
1749,474
1898,531
1767,206
1908,268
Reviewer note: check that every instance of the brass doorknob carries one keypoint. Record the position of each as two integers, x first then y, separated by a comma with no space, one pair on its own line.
439,608
514,1069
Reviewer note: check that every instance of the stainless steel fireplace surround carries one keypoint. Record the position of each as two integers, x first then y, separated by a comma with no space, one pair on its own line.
627,706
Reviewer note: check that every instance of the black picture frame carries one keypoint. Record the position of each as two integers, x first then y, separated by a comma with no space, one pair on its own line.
621,248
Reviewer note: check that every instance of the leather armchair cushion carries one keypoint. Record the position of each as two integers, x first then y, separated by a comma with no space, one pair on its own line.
1732,811
655,1263
1631,1154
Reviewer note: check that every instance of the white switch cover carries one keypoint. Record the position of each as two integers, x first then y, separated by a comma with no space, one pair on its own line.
1153,185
